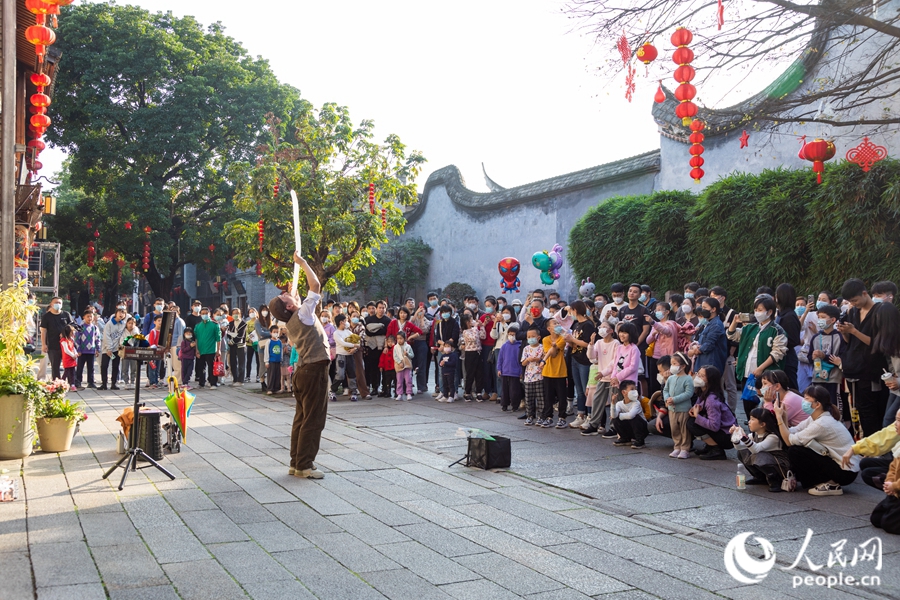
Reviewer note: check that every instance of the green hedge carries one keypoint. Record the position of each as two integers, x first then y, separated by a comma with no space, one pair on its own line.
745,230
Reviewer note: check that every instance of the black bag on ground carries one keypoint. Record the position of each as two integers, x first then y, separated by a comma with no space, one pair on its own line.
489,454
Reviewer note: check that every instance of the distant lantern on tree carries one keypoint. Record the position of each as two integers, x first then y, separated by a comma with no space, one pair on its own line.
372,198
260,230
91,254
384,218
127,225
685,92
818,151
647,53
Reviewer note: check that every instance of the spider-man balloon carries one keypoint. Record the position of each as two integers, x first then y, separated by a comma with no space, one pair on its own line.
509,270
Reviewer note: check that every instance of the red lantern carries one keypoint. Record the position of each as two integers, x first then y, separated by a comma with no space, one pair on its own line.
40,80
697,161
35,165
697,174
697,138
39,99
60,2
372,198
647,53
212,247
39,7
686,111
97,234
258,268
682,37
384,218
261,232
41,36
685,92
697,125
696,150
660,96
38,145
147,230
91,254
275,194
683,56
40,121
818,151
37,110
684,74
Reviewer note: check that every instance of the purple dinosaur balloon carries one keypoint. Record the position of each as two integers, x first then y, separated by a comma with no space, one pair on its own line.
556,261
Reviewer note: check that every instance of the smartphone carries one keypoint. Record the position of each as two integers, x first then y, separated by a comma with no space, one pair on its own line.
745,317
810,299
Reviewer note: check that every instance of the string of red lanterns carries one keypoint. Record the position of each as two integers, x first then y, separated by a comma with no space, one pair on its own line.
685,92
372,198
145,264
696,139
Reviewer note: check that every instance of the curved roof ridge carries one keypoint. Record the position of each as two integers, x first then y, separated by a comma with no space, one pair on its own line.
451,178
722,120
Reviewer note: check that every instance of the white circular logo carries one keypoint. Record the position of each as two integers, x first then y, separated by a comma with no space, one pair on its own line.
741,565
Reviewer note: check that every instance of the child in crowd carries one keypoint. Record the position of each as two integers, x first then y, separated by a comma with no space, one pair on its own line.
472,334
532,360
187,354
449,364
403,355
628,417
887,514
677,394
509,369
386,366
345,365
555,375
601,353
153,366
69,355
129,367
87,344
273,355
286,368
824,349
762,452
623,367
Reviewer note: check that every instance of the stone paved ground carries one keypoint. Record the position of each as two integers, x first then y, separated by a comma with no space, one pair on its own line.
574,518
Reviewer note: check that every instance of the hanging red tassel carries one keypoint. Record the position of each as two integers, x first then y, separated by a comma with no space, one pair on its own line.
720,15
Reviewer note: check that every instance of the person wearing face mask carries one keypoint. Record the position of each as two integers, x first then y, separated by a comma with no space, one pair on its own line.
664,337
432,306
252,344
823,354
376,329
158,305
534,317
509,369
113,334
488,383
601,352
676,394
816,446
261,327
187,354
445,330
617,294
236,338
711,344
174,364
787,319
686,314
193,317
774,388
499,327
578,341
884,291
554,376
762,345
710,419
533,361
53,324
208,335
628,417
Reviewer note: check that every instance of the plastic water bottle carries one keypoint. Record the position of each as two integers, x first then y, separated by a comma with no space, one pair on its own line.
741,477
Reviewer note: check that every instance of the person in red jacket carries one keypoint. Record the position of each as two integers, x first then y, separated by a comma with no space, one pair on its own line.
69,355
386,365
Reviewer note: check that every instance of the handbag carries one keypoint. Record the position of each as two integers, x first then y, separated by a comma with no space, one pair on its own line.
789,483
749,394
218,368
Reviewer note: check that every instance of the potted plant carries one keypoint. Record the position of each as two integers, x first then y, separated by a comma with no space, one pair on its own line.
57,417
19,387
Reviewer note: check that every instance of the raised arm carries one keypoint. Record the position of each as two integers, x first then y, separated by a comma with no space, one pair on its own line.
311,280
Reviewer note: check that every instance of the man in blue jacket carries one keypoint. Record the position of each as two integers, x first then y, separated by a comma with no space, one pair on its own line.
711,345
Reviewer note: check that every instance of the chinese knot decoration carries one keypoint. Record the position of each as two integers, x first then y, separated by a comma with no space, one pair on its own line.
818,151
625,52
696,150
866,154
372,198
685,92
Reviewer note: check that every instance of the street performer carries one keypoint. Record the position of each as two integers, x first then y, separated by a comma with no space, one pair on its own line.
310,379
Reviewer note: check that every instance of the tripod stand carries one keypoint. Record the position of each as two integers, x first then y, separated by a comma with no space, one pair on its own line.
133,452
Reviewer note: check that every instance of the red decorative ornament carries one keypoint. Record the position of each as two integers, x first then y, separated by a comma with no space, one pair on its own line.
40,80
89,225
127,225
60,2
91,254
276,188
697,174
38,226
697,161
866,154
41,36
147,230
40,99
40,120
35,165
625,52
97,234
685,92
258,268
40,7
696,149
720,15
647,53
38,145
818,151
745,139
372,198
91,286
660,96
37,110
384,218
212,247
261,234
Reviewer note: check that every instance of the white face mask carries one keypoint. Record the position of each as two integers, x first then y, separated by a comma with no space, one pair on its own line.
195,310
604,331
364,314
698,382
761,315
660,378
506,317
325,320
511,338
265,313
618,299
675,369
687,309
633,395
57,306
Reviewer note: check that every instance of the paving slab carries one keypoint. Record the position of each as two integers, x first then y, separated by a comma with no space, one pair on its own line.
202,580
248,563
128,565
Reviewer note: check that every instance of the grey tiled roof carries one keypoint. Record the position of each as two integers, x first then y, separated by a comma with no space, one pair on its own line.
452,180
724,120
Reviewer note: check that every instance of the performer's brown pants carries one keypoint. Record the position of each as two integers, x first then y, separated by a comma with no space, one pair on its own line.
311,392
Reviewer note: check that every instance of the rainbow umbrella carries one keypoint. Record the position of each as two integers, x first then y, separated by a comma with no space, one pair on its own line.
180,403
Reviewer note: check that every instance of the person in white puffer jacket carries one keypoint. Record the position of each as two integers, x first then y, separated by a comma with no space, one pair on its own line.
113,333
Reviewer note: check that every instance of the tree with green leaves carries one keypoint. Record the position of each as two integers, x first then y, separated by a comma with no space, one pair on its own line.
329,162
153,110
400,266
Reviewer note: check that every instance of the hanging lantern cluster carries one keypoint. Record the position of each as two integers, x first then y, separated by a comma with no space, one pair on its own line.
120,263
697,126
91,285
91,254
260,233
817,152
372,198
384,219
145,263
685,92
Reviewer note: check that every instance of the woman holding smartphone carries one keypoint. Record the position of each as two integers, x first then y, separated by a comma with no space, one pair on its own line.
774,390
